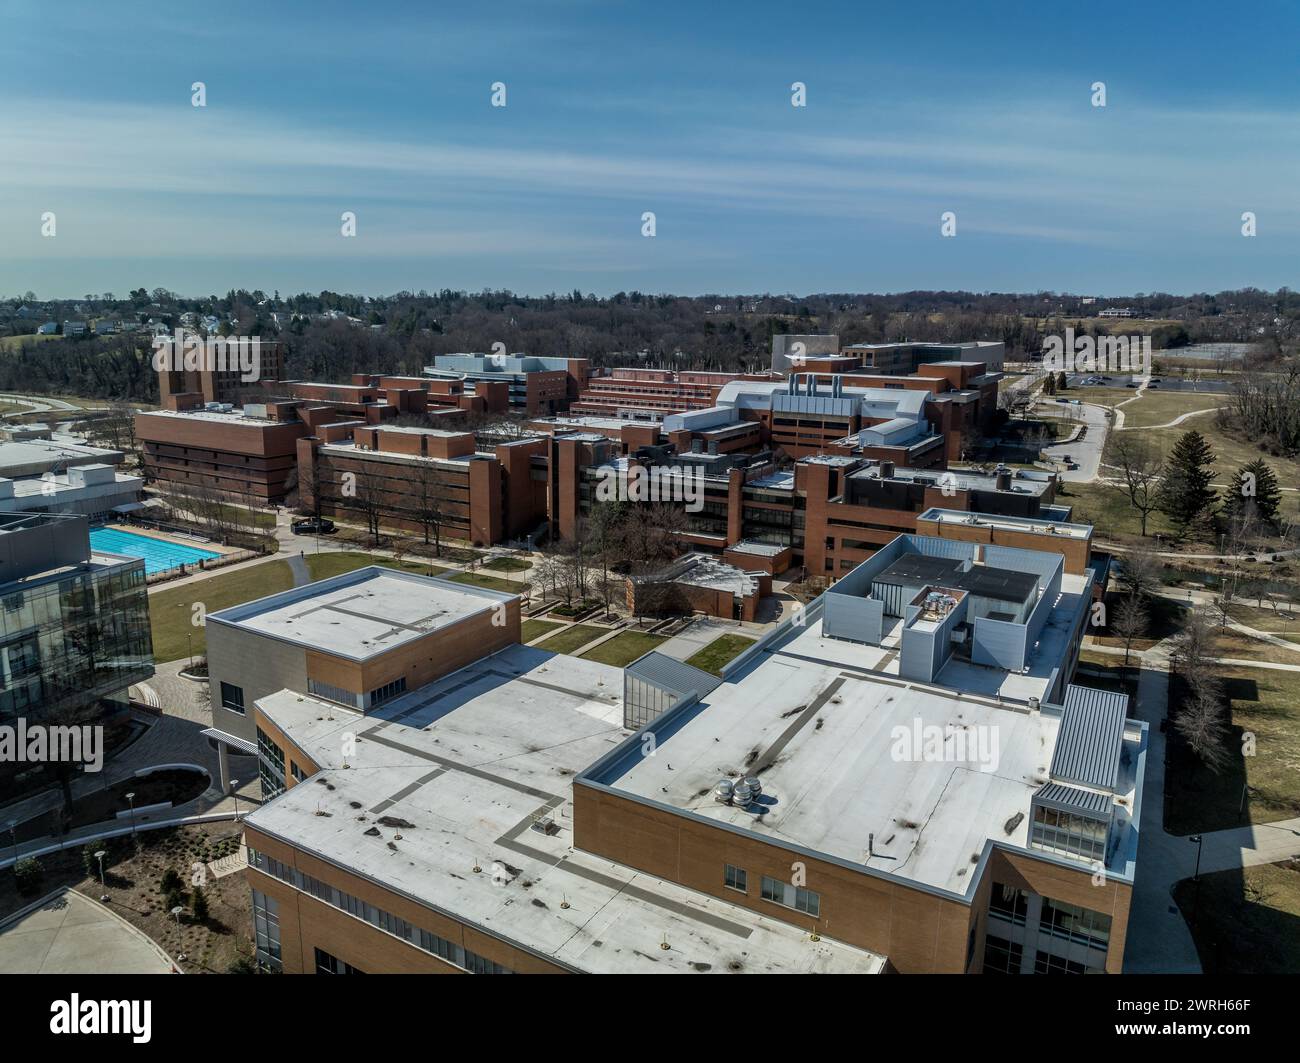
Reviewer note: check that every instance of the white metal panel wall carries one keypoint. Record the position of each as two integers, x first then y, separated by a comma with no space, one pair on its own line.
998,643
850,617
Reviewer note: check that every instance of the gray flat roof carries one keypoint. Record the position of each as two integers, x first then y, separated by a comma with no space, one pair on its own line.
470,762
843,756
363,613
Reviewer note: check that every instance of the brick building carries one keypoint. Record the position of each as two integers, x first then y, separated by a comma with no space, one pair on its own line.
503,817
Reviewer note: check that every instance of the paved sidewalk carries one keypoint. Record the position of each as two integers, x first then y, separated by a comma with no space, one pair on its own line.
72,934
1159,941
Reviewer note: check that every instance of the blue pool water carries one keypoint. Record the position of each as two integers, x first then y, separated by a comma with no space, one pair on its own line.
158,554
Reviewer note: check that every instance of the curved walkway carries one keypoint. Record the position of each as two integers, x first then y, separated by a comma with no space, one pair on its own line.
69,933
1169,424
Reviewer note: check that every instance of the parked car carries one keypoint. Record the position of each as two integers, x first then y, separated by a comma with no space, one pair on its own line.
312,526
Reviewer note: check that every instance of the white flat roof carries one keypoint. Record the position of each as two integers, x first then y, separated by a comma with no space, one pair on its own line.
470,761
363,613
1038,526
840,778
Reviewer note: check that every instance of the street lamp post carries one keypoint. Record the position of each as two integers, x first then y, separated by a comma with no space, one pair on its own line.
100,857
234,792
131,798
1196,877
12,828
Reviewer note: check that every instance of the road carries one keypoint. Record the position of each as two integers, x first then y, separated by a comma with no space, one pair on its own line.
1086,451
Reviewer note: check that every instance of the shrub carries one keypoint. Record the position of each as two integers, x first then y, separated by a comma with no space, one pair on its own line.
28,874
171,882
199,904
174,898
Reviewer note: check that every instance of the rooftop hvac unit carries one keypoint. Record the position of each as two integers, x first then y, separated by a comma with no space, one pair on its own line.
722,793
741,794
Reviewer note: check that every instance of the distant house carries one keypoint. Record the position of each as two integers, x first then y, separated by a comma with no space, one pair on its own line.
50,328
1113,312
107,328
74,328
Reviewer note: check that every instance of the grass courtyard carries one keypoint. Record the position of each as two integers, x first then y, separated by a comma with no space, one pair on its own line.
322,566
171,609
624,648
574,638
1245,921
719,653
1265,704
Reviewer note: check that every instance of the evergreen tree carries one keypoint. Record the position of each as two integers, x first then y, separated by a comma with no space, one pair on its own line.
1186,496
1255,491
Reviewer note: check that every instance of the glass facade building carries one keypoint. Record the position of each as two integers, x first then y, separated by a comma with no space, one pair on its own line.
74,628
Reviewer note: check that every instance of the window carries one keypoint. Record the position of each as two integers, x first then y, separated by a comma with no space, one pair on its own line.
332,693
734,878
796,897
266,931
1073,923
1046,963
1007,902
1068,834
232,698
327,964
270,766
386,921
387,692
1001,956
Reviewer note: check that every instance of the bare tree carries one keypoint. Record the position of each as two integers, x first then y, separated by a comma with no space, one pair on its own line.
428,501
367,499
1141,470
1140,570
1131,622
1202,725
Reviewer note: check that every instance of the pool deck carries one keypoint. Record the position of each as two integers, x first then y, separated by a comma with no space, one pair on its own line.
168,537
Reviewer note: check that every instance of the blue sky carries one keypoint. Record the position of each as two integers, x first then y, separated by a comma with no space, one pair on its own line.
614,109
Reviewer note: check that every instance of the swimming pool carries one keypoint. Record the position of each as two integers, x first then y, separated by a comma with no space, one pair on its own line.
159,554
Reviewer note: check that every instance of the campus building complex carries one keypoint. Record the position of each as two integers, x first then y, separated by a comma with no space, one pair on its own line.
901,777
532,385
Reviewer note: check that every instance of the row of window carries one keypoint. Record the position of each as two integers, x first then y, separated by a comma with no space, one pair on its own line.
1005,957
388,691
1068,921
270,766
1069,834
386,921
774,890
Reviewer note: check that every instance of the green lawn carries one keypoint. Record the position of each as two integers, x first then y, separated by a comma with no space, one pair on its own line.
535,629
577,636
170,610
1161,407
1245,921
508,564
1265,703
719,652
623,649
322,566
492,583
1107,508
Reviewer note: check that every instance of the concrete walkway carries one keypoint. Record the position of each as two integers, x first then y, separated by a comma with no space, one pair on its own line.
1159,941
72,934
706,630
